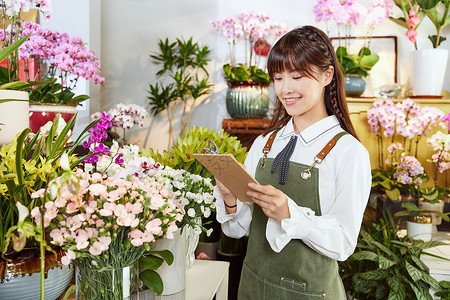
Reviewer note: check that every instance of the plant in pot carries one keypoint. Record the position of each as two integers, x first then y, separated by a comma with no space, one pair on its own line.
345,14
248,94
62,61
26,165
12,85
185,64
387,266
410,14
400,175
181,156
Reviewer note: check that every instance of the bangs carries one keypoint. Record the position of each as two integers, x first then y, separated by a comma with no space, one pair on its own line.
292,55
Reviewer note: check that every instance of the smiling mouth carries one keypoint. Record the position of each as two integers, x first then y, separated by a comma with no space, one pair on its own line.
290,101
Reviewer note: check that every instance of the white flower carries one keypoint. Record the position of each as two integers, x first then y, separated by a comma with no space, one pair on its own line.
191,212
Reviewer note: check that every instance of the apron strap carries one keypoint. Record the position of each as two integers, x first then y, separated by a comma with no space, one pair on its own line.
330,145
306,174
266,149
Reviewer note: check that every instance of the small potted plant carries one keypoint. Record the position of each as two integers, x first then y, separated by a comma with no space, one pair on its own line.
247,82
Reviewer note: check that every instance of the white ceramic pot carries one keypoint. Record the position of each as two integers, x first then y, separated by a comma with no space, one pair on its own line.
173,276
13,115
428,71
419,231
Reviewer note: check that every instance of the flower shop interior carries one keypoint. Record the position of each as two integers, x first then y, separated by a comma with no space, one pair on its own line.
104,105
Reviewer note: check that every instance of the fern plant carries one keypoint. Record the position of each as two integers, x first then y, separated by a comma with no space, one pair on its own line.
386,266
184,63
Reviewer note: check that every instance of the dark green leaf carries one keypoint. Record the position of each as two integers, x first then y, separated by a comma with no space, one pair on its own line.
152,280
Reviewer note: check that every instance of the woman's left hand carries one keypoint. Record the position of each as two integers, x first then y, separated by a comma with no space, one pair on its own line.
272,201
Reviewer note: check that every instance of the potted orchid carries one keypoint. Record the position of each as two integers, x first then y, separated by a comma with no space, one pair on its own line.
400,176
63,60
425,61
248,78
355,66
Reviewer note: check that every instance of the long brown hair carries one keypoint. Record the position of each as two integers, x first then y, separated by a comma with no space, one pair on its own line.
301,50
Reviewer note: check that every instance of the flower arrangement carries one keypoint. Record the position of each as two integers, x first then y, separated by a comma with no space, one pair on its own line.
26,165
195,194
12,27
348,13
122,116
415,11
401,174
106,223
253,28
67,58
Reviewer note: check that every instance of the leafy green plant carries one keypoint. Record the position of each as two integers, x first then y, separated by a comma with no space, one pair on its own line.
360,63
50,91
195,140
386,266
242,73
183,62
444,293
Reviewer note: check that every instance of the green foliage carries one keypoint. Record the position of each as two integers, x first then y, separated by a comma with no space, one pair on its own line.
49,91
149,263
182,62
196,138
386,266
360,63
444,292
242,73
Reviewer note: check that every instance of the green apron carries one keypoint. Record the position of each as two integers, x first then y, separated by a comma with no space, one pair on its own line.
297,272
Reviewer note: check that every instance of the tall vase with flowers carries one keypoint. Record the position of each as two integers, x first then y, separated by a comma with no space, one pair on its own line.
428,65
347,14
247,95
400,175
193,194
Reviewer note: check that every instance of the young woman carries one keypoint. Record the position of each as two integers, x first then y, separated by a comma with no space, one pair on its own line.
314,179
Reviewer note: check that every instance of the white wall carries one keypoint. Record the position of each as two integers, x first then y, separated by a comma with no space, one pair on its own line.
130,30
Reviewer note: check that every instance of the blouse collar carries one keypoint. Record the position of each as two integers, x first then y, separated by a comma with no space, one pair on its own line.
312,132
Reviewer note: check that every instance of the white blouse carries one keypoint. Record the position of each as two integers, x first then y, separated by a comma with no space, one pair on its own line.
344,187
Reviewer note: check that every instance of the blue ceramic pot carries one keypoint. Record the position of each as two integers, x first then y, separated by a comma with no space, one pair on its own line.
247,99
354,85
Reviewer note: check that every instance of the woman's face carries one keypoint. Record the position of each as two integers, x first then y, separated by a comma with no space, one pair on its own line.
302,96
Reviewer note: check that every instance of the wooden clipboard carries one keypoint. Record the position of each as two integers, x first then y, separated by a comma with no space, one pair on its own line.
230,172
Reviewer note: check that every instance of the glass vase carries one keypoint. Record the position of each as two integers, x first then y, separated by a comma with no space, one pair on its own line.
108,284
247,99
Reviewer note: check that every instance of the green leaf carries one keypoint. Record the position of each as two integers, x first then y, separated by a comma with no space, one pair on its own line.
421,291
427,4
373,275
13,47
393,194
385,263
152,280
415,273
364,255
396,289
165,254
150,262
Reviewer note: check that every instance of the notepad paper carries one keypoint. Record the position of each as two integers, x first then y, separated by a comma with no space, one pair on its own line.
228,171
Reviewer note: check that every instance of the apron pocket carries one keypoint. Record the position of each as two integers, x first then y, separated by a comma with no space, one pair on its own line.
290,289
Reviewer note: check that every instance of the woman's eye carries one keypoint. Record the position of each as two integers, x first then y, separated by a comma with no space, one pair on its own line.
277,78
297,77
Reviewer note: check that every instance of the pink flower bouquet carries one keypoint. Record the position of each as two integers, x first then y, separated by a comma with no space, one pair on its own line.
105,223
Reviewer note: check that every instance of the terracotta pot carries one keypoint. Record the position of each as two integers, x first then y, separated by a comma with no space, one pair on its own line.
20,275
41,113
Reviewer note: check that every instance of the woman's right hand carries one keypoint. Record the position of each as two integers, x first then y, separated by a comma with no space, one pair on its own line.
223,189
